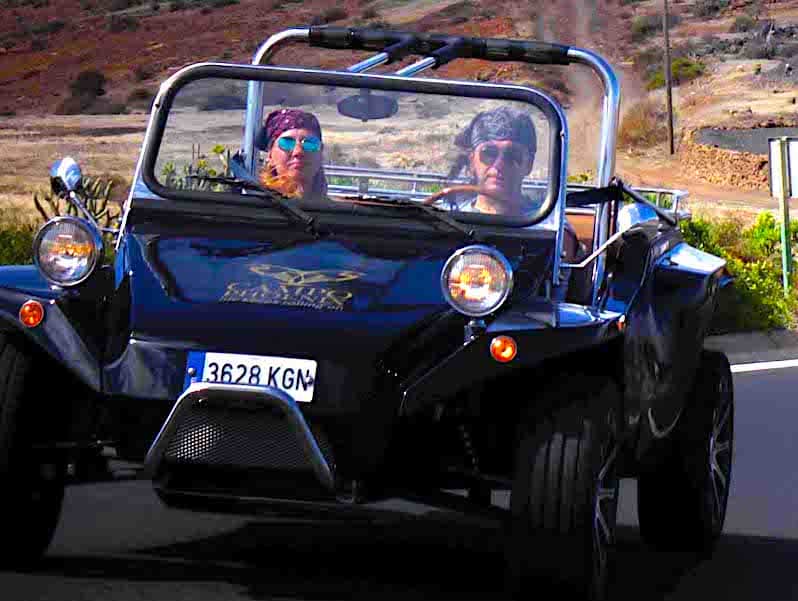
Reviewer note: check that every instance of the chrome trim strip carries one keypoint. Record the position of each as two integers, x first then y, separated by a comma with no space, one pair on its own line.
267,395
255,92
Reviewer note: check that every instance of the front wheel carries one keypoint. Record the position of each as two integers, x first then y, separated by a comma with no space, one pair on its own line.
32,488
565,494
682,504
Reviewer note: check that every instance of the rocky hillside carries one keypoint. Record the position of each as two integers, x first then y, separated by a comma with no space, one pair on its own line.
735,61
46,44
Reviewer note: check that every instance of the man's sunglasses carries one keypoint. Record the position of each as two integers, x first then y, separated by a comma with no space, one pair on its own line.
309,144
489,154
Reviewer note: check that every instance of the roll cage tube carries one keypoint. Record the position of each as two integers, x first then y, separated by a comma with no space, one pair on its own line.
440,49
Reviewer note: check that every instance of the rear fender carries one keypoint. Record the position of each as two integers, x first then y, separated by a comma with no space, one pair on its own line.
542,329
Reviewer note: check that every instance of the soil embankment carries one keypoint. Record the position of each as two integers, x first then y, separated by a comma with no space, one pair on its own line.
724,167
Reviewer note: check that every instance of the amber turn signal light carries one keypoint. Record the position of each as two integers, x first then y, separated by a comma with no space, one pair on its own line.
31,314
503,349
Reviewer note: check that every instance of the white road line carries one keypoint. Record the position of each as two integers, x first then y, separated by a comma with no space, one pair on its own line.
764,365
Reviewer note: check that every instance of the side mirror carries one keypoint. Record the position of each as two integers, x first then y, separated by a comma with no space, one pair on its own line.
65,176
366,106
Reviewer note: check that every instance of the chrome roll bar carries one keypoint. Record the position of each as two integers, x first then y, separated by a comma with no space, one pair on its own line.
610,113
610,106
418,67
255,91
370,63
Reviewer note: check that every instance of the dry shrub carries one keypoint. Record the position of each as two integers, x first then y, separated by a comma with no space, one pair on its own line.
334,13
709,8
141,98
643,125
75,104
89,82
743,23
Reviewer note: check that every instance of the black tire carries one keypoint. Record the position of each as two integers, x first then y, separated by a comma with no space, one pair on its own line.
565,493
33,490
682,504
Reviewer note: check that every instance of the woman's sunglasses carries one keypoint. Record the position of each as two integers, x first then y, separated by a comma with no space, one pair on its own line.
489,154
309,144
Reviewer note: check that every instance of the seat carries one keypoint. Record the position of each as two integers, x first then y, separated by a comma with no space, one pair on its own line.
578,244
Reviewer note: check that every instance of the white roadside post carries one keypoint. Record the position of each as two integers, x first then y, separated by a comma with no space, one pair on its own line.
783,160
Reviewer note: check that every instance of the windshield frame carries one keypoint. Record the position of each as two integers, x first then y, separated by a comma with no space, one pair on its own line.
557,151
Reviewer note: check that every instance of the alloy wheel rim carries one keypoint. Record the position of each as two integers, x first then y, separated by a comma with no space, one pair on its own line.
720,450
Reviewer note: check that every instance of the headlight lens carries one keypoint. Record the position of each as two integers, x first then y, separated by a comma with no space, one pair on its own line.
476,280
66,250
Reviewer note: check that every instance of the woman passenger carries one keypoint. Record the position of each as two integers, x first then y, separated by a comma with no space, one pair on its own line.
294,163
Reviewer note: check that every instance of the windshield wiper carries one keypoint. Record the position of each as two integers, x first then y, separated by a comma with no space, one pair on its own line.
406,202
274,200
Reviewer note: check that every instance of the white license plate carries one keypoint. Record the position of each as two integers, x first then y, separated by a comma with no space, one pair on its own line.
296,377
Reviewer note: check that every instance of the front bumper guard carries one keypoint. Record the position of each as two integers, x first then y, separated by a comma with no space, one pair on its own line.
235,394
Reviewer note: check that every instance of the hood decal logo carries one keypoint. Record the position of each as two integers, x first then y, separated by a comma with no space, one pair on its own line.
291,287
288,276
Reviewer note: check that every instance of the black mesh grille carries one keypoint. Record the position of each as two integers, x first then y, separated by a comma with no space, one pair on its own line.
247,439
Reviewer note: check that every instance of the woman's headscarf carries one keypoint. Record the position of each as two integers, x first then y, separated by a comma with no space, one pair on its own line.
277,122
282,120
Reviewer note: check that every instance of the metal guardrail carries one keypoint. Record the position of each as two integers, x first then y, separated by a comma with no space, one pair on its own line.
416,185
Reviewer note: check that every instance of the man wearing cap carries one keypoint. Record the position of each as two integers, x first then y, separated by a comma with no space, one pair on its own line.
293,145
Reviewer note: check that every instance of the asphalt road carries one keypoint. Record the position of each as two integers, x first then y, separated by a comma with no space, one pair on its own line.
745,140
117,543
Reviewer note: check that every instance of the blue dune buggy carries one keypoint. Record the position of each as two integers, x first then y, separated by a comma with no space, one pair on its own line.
255,350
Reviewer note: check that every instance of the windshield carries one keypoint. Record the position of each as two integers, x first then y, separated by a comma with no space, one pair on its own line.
343,144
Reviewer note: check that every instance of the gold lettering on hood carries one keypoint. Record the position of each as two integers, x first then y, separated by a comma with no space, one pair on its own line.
311,297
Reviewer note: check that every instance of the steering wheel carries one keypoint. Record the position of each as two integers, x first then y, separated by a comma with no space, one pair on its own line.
432,198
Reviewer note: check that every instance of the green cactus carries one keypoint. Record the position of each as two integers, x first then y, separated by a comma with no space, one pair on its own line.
191,175
94,193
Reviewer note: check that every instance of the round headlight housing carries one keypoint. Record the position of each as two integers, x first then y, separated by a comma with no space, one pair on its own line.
476,280
66,250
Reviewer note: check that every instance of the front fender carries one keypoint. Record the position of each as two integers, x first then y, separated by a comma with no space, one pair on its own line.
666,328
55,335
542,330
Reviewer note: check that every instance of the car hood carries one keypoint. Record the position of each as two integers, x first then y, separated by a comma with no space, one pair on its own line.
286,292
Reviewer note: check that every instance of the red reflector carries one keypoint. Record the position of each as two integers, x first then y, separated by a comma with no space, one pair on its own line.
503,349
31,314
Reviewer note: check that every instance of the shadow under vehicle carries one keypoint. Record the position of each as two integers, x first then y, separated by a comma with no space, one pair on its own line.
324,356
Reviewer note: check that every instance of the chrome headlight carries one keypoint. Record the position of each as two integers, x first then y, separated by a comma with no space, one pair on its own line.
66,250
476,280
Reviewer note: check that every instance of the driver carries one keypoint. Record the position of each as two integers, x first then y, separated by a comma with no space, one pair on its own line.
498,150
294,163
